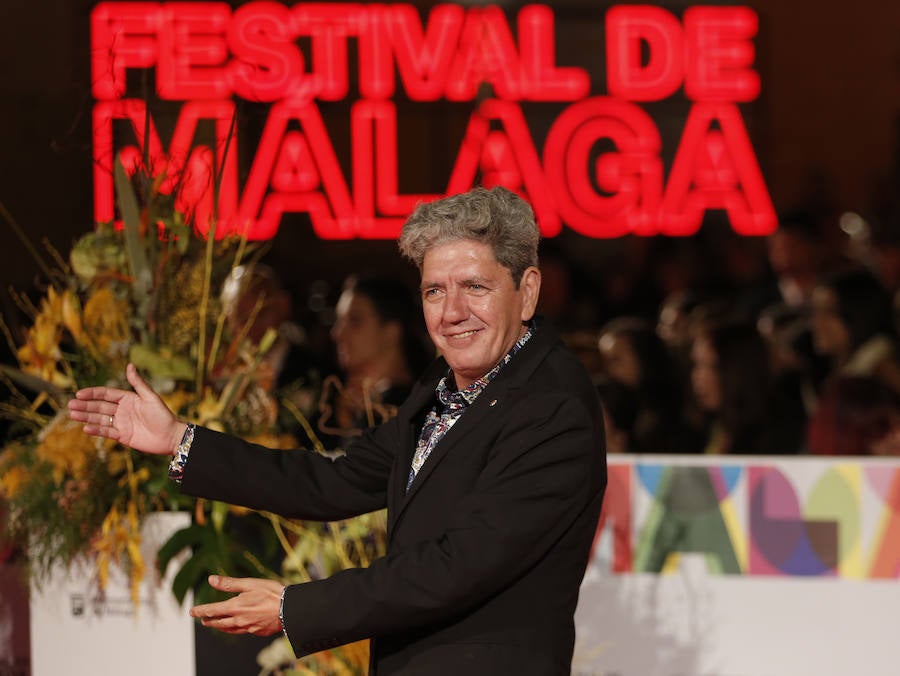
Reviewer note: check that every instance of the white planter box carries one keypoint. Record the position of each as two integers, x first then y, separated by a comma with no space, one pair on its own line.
75,631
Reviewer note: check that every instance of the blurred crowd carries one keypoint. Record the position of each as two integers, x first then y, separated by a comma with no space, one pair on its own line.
376,346
783,345
794,351
718,343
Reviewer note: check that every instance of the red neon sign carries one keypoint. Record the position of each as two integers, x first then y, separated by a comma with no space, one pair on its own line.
205,54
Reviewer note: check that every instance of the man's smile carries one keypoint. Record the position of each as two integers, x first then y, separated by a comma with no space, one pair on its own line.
464,334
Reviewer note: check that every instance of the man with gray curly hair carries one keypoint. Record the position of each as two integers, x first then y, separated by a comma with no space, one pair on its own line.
493,473
497,217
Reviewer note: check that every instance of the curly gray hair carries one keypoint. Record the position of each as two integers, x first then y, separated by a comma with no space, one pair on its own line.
497,217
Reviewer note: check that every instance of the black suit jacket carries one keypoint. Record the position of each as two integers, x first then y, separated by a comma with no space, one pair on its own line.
486,551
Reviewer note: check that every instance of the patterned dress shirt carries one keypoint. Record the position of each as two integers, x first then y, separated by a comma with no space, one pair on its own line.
450,407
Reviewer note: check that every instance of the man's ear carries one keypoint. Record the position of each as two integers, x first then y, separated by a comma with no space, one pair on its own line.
530,287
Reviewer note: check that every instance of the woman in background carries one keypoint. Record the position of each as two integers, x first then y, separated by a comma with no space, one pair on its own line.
732,382
858,415
853,327
635,357
852,323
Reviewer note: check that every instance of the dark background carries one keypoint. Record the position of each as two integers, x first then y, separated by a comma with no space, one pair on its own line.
824,128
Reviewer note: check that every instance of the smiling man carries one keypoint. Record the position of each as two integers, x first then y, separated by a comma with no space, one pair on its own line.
474,310
492,472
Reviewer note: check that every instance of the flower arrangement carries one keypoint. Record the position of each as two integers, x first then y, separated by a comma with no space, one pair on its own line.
148,292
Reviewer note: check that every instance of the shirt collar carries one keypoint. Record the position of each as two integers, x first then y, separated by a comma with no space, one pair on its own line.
455,399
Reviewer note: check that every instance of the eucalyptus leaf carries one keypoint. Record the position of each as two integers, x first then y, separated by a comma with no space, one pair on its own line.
182,234
34,383
161,365
137,256
268,339
218,515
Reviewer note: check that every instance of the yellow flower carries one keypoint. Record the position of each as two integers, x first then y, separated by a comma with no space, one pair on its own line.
209,410
120,538
117,461
347,660
356,654
176,400
105,323
11,480
40,354
71,316
68,450
52,306
273,440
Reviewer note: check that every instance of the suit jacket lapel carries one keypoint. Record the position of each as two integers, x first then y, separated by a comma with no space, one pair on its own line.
469,422
514,375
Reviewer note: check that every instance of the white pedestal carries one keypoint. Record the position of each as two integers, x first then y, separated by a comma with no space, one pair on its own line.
75,631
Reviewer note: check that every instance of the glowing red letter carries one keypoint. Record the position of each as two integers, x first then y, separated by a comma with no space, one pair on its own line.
192,51
487,53
267,65
542,80
629,179
424,60
329,26
716,169
123,35
297,165
189,169
628,28
504,157
375,166
720,54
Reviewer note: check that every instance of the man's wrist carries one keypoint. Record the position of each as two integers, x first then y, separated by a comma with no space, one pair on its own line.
180,454
179,432
281,613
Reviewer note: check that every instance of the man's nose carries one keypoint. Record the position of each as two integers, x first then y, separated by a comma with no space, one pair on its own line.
455,309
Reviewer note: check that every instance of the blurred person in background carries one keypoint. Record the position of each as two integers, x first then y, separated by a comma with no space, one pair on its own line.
874,241
381,346
852,323
888,444
885,260
567,300
673,322
620,409
858,415
634,356
732,383
798,253
886,257
255,303
797,370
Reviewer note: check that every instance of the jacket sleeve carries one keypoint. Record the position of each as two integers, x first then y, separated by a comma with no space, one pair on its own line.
293,483
544,473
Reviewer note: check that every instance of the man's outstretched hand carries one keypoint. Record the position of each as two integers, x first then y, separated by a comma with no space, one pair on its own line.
139,419
255,610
